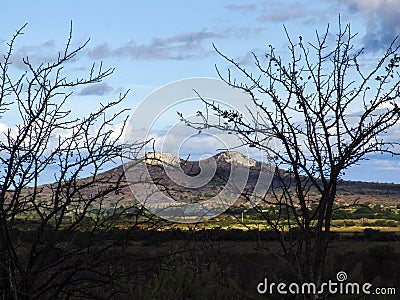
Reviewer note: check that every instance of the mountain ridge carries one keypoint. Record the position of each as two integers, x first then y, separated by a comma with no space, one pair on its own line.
348,191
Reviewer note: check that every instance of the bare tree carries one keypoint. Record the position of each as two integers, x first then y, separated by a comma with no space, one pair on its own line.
48,242
327,110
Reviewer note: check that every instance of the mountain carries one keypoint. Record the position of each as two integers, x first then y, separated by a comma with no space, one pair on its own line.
194,181
206,178
348,191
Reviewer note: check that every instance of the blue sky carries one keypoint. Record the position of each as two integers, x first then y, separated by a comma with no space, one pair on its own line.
152,43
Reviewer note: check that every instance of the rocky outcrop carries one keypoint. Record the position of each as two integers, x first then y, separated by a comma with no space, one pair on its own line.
237,157
227,157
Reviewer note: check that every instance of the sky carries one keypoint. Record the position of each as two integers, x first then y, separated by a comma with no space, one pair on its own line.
153,43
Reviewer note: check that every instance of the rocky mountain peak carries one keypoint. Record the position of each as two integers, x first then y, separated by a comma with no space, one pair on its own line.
237,157
226,157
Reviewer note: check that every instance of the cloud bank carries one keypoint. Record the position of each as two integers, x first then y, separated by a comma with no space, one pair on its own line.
177,47
98,89
383,21
241,7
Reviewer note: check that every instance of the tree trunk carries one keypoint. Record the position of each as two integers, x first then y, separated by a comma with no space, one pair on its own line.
6,271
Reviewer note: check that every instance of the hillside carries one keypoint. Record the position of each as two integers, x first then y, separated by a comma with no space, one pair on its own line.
348,191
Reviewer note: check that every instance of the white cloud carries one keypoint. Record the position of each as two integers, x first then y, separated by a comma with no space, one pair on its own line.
185,141
3,127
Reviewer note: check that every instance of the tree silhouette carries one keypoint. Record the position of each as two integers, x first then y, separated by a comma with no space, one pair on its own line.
41,254
327,110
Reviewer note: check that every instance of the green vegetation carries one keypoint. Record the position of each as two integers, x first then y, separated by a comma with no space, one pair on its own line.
355,217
